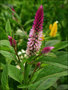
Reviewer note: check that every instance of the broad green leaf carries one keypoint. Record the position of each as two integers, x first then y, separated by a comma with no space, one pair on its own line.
60,58
8,28
51,42
46,83
43,80
62,87
49,71
2,59
5,48
7,55
57,64
15,73
51,79
26,72
4,79
28,22
2,34
60,45
5,43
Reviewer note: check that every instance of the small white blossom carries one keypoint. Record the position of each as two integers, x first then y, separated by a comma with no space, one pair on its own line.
17,66
19,53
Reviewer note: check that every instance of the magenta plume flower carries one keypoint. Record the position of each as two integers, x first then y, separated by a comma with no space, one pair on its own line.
34,42
47,49
12,41
37,24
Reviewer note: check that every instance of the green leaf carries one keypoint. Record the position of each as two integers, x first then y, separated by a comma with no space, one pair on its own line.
15,73
6,50
60,45
8,28
59,59
5,43
57,64
44,80
2,60
28,22
46,83
26,72
4,79
49,71
62,87
2,34
48,75
7,55
35,75
51,42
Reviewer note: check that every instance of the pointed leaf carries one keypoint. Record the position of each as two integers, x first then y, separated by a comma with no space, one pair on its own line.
15,73
9,56
60,58
8,28
60,45
46,83
5,43
4,79
51,42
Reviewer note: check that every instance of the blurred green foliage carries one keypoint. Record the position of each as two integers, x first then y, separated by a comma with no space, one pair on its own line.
26,9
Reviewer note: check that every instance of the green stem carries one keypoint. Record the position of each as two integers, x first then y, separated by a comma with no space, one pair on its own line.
35,58
15,48
33,72
25,75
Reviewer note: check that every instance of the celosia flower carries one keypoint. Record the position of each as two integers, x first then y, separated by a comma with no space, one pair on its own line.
12,41
37,24
47,49
36,33
53,30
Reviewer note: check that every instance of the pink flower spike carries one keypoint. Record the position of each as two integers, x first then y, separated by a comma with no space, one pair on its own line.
47,49
12,41
34,43
37,24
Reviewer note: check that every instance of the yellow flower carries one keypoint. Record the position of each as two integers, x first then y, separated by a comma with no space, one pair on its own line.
50,26
53,30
